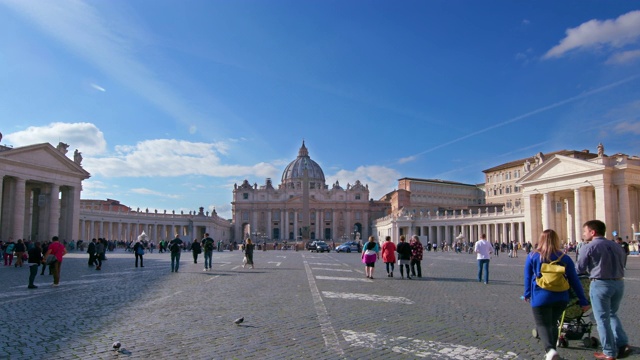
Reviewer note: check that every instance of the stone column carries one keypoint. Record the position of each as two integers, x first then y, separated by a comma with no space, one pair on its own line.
269,225
546,210
512,232
75,211
285,234
19,209
603,206
83,230
624,212
2,225
295,224
431,235
521,231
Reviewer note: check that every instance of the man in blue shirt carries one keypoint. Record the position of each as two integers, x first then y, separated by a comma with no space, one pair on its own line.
603,260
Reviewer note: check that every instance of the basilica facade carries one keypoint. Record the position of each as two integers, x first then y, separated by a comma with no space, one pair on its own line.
302,206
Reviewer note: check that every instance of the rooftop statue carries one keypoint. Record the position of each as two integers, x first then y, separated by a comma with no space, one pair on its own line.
77,157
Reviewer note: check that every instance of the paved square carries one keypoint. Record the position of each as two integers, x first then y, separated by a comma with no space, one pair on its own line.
295,304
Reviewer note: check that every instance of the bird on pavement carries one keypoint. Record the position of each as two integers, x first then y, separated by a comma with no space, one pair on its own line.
239,321
116,346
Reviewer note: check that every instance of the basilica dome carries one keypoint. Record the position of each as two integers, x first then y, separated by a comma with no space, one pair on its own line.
294,171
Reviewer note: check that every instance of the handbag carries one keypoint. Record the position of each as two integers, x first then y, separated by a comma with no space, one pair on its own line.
140,251
50,259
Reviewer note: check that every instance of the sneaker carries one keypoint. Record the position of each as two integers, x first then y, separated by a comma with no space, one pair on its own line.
32,287
624,351
205,269
55,285
552,354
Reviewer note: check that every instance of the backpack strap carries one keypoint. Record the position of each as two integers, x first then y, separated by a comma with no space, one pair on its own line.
557,260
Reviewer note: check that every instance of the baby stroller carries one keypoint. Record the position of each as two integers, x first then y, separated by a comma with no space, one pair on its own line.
573,325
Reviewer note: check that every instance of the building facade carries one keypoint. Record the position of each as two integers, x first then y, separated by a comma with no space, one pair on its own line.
114,221
40,192
561,191
302,206
501,182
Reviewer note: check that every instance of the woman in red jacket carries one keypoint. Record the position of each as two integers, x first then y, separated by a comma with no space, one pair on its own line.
389,254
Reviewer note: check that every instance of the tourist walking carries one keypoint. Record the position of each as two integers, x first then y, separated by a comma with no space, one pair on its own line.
175,246
207,244
91,250
496,248
58,250
20,250
370,255
100,249
248,253
35,258
603,260
389,255
416,256
138,250
8,252
196,249
404,257
483,250
547,306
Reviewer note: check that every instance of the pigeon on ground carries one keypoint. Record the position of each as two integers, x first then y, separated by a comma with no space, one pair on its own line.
239,321
116,346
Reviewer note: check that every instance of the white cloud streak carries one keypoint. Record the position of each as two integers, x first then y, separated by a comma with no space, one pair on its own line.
624,57
628,127
79,26
595,34
523,116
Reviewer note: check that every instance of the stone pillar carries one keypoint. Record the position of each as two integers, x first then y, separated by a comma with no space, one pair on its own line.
624,212
19,209
547,211
269,225
285,234
295,225
432,236
512,232
2,225
74,212
83,230
603,206
521,231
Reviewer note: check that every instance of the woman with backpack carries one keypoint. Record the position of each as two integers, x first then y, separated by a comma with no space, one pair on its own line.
547,294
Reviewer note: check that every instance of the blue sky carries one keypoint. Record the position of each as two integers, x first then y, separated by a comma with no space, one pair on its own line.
172,102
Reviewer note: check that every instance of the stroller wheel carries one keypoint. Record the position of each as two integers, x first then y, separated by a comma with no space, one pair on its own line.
534,332
594,342
563,342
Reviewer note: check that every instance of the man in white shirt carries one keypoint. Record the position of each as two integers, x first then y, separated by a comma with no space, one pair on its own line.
483,250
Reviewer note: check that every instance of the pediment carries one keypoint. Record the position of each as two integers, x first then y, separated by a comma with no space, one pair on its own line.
43,157
559,167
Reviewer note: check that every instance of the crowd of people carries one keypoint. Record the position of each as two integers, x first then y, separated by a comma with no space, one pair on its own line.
602,260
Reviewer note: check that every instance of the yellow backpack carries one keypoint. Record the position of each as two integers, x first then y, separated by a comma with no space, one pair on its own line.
552,276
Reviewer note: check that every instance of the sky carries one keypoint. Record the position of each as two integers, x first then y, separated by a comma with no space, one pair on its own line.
172,102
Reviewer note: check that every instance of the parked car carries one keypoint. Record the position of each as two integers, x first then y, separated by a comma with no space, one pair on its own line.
319,246
311,246
348,247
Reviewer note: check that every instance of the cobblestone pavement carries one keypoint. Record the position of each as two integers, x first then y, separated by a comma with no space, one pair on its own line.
295,305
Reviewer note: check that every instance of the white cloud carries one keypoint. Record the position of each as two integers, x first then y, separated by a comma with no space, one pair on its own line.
595,34
143,191
628,127
98,87
379,178
171,158
407,159
85,137
624,57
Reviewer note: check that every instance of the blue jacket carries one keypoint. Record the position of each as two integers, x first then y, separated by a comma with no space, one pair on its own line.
539,296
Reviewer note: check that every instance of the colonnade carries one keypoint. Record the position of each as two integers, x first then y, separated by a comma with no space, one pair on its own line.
34,209
339,222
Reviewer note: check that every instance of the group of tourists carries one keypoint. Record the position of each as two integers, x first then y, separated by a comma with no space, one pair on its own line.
409,256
